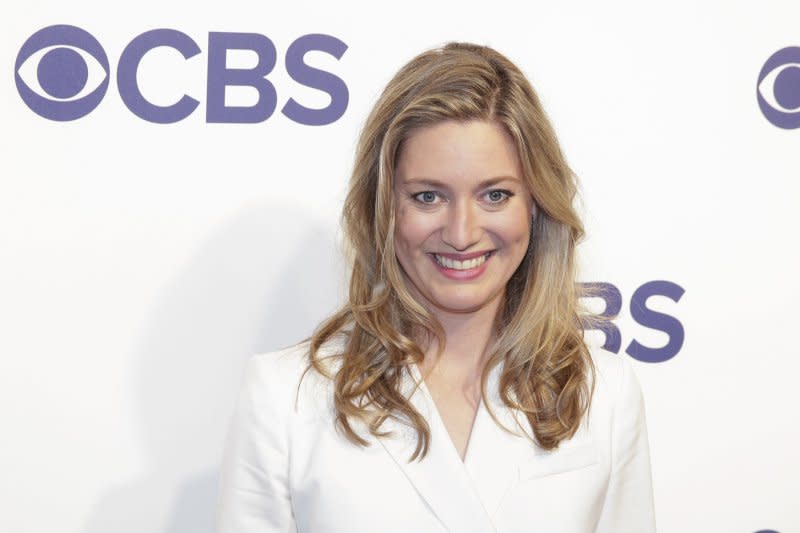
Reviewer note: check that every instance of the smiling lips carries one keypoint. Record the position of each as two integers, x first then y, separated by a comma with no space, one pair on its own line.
461,266
464,262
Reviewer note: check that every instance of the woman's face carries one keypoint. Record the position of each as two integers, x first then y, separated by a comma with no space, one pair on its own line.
463,214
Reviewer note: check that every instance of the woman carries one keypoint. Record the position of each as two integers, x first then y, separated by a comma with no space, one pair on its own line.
452,392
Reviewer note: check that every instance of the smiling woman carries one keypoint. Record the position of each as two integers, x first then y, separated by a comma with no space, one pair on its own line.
452,390
459,235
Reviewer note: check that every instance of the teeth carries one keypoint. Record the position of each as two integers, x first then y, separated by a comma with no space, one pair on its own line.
460,265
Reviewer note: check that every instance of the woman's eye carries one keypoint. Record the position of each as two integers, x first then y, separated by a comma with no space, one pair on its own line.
497,196
425,197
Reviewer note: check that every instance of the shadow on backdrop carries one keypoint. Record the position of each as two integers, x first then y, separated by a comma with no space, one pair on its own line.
262,282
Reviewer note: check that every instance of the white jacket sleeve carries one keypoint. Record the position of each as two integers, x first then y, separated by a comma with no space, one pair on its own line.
253,489
628,506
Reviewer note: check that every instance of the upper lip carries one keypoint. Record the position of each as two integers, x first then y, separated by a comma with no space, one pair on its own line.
462,257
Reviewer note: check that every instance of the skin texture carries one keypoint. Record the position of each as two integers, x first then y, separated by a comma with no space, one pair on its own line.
454,211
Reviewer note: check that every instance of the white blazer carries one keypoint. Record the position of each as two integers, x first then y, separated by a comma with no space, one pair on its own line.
286,468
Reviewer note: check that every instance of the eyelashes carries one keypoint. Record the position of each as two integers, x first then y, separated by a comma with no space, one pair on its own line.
425,197
498,196
493,197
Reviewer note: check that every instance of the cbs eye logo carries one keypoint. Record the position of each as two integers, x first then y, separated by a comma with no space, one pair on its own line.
61,72
778,88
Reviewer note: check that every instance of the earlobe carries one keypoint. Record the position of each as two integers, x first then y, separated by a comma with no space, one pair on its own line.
533,210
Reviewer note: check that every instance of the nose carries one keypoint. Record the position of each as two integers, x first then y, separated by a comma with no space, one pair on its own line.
462,226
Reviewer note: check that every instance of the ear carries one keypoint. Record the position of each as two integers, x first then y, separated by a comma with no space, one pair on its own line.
534,210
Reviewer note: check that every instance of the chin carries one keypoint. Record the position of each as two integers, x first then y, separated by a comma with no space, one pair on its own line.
462,309
461,304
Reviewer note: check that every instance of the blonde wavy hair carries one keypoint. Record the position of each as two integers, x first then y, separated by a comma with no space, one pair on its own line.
548,372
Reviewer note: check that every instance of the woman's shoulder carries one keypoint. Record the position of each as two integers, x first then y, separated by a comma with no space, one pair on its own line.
285,379
616,385
279,365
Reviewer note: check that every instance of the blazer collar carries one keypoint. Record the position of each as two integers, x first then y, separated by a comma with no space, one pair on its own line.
463,495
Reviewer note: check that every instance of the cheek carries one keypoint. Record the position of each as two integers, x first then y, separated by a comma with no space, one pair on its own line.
515,228
411,230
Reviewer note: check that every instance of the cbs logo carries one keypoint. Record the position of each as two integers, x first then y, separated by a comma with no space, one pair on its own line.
641,314
778,88
62,73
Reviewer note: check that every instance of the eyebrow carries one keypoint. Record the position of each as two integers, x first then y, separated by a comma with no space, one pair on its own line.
436,183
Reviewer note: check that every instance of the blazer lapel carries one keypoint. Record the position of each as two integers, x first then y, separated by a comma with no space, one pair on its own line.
494,455
441,478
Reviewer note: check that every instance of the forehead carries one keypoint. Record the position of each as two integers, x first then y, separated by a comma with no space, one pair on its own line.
458,152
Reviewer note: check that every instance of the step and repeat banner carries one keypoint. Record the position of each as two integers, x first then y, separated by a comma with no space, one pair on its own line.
171,178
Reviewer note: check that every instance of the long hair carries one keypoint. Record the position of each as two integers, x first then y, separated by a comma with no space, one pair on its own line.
548,368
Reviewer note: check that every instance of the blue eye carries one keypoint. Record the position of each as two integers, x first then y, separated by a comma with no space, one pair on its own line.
425,197
498,196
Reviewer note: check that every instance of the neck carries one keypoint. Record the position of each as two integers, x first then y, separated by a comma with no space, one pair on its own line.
467,337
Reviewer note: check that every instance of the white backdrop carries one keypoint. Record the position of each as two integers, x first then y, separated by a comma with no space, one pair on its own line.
141,263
